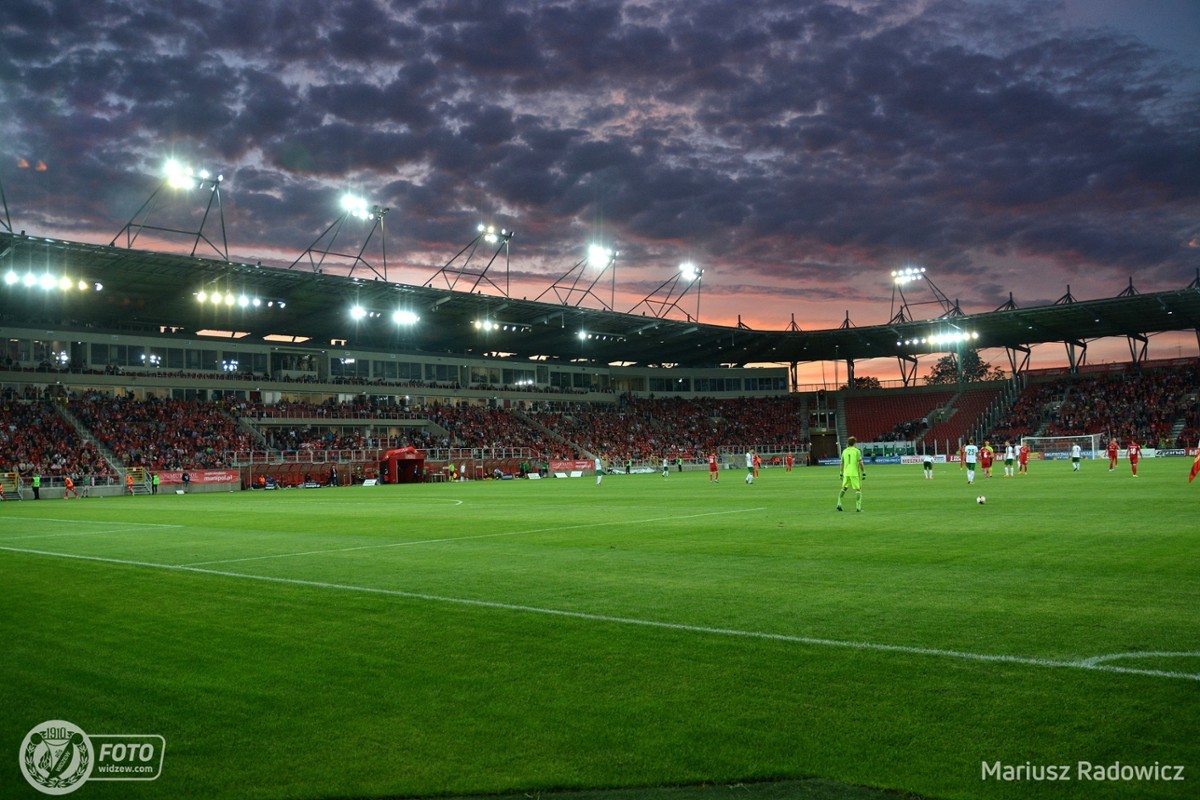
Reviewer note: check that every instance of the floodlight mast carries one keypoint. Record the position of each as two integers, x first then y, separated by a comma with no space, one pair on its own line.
180,177
357,208
7,220
567,289
902,277
659,307
452,273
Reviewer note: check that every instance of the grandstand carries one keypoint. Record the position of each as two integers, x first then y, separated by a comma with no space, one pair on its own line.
141,374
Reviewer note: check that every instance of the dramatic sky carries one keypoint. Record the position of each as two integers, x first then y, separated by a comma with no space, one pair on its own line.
797,150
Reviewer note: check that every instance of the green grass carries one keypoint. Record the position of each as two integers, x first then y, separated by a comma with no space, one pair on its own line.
521,638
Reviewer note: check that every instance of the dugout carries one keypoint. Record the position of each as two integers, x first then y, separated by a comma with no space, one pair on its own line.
405,465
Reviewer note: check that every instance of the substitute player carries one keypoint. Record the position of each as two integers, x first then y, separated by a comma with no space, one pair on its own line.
1134,451
1114,449
853,473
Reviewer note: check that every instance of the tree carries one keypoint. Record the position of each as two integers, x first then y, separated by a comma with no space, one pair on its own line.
866,382
974,369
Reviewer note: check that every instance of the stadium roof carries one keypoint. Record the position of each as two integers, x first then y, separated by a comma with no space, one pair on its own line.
146,291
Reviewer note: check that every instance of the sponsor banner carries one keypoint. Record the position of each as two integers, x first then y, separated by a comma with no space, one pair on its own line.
884,459
568,465
202,476
830,462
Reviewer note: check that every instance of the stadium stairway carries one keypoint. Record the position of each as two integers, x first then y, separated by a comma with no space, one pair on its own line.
558,437
255,434
843,432
115,466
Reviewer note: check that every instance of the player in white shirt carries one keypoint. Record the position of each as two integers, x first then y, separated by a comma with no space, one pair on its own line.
1010,458
1076,455
970,454
666,467
599,470
749,466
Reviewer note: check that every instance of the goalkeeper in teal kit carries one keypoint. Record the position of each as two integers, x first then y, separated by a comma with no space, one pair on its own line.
852,474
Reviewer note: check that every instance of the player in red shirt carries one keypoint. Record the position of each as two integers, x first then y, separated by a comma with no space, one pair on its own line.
757,464
69,488
1114,447
986,456
787,462
1023,460
713,475
1134,451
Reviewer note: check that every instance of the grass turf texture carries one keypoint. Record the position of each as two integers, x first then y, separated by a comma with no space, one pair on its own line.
416,648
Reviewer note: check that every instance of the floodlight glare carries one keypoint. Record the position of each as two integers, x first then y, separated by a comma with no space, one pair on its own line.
256,302
11,278
82,285
243,301
357,312
230,299
355,206
30,280
48,281
201,296
599,257
689,270
404,317
65,283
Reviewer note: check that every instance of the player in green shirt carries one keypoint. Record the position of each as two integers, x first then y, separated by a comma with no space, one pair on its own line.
852,473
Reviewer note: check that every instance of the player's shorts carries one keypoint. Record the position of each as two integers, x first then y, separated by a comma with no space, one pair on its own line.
852,481
1074,460
1008,462
712,467
928,464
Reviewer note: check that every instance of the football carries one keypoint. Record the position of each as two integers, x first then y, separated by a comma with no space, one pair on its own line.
981,499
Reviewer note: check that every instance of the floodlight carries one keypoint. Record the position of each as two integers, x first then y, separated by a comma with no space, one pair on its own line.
99,286
30,280
243,301
82,285
229,299
48,281
357,312
65,283
689,270
201,296
256,302
11,278
355,206
583,335
404,317
217,298
599,257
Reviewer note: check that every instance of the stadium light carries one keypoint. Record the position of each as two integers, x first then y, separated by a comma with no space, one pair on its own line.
491,235
600,257
357,313
11,278
356,206
907,275
404,317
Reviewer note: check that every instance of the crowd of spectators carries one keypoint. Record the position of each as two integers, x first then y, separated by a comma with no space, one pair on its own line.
159,433
1143,407
36,440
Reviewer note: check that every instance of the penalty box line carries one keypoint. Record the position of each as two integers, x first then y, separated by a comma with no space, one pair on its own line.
465,538
1087,664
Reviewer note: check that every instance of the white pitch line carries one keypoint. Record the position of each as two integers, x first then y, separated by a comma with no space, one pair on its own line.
463,538
84,533
1094,660
1085,664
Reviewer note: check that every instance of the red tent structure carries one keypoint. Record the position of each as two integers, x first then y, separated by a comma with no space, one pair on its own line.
406,465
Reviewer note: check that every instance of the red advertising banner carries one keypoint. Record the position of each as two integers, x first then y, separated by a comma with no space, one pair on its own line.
202,476
569,466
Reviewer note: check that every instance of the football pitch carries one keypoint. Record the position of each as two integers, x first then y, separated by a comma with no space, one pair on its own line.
650,637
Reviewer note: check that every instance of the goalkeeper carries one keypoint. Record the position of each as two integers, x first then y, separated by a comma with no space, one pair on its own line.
853,473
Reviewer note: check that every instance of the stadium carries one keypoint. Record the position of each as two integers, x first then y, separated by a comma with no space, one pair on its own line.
328,535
